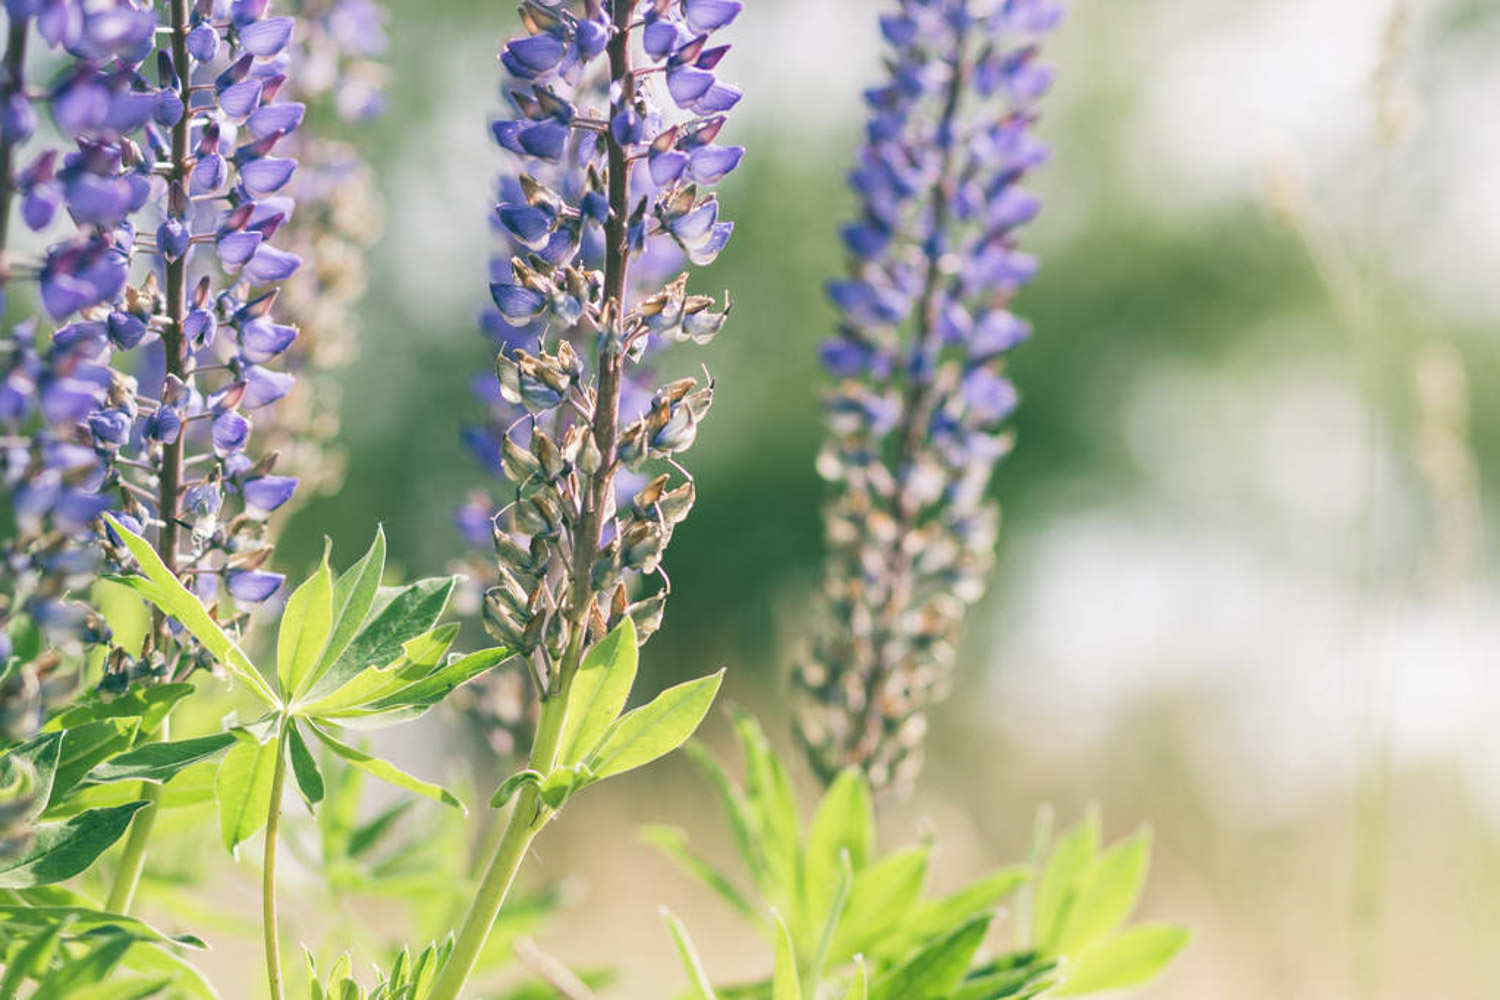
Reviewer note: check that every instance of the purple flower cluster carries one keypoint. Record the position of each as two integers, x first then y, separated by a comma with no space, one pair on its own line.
613,143
143,398
917,418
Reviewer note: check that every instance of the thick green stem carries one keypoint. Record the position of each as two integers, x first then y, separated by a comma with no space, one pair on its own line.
268,870
525,823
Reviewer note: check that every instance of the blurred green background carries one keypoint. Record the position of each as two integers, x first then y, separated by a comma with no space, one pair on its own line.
1243,592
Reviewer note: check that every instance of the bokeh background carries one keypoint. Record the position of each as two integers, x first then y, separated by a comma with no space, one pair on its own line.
1246,589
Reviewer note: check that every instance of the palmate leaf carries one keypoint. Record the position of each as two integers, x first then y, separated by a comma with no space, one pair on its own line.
413,611
59,851
162,588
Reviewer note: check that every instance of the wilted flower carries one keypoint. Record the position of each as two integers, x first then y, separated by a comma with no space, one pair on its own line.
917,418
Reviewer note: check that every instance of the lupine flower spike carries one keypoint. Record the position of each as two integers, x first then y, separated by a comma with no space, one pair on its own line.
616,112
613,144
917,417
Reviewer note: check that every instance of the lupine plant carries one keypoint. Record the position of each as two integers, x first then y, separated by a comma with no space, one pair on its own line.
917,415
175,312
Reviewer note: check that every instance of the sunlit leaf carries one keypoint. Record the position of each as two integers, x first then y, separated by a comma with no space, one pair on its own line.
243,790
304,767
699,986
163,589
305,625
1130,958
59,851
386,771
1107,892
599,692
161,762
785,984
655,729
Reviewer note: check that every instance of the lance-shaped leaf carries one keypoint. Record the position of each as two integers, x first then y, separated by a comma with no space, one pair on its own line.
59,851
1107,892
413,611
860,988
1057,890
843,822
408,700
305,625
599,692
162,588
243,789
1130,958
353,596
700,988
879,900
33,916
386,771
938,968
304,767
160,762
672,842
784,983
148,703
655,729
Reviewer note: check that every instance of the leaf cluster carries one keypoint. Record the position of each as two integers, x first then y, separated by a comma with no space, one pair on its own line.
845,920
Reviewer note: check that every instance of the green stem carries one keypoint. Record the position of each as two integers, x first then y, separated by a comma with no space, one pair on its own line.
526,822
129,875
268,869
133,861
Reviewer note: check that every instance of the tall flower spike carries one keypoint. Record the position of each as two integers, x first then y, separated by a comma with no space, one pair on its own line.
917,418
612,147
143,398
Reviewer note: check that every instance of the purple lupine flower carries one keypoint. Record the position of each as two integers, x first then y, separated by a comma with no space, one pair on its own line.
139,400
610,143
917,417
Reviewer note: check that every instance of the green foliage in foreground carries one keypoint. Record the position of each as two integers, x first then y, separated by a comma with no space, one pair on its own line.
843,920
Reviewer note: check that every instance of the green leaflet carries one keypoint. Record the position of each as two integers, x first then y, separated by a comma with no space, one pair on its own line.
305,625
413,611
672,842
1107,892
242,789
599,692
353,595
1074,853
304,767
386,771
698,981
937,968
1130,958
59,851
162,588
655,729
880,899
785,985
160,762
844,821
